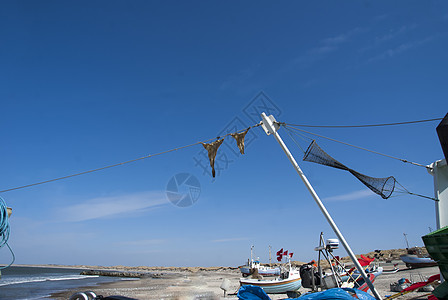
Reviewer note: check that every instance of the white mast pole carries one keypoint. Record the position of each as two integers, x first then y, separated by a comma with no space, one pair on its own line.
270,261
270,126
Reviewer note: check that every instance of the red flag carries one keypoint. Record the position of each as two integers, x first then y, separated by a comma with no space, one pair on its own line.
279,252
365,261
291,254
336,260
285,253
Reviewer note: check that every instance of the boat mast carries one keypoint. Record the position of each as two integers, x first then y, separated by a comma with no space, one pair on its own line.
270,261
271,126
406,239
251,254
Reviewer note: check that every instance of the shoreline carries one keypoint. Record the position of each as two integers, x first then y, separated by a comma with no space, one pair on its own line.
205,284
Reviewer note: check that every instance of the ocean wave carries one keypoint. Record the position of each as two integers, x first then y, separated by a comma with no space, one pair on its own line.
22,280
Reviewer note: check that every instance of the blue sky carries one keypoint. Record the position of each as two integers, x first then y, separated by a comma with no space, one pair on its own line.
89,84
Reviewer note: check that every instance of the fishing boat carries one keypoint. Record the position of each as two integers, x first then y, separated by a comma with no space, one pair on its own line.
361,284
414,259
288,281
254,265
262,270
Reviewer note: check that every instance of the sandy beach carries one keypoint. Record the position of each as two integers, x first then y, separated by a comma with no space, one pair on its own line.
204,283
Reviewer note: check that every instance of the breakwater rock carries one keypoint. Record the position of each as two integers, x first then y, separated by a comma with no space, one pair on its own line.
121,274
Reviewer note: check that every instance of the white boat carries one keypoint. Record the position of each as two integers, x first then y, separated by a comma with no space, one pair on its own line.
288,281
262,270
254,265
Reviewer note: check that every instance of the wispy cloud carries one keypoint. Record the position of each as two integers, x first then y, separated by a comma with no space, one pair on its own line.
344,37
356,195
389,53
327,46
229,240
104,207
392,34
240,79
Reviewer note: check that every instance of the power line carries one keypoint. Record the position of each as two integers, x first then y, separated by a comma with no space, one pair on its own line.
365,125
114,165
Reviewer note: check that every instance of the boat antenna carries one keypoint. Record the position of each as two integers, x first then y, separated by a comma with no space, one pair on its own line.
270,126
406,239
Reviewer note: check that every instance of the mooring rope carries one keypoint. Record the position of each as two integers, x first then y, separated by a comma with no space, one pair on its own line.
4,230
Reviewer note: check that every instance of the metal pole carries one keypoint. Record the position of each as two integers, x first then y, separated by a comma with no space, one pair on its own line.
270,128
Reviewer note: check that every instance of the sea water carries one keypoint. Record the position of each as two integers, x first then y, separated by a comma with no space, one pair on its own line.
27,283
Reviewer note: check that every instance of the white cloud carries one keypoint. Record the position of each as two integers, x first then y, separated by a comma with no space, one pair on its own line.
104,207
356,195
327,46
389,53
392,34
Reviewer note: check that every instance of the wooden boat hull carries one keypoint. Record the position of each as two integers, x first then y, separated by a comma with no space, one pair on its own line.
276,286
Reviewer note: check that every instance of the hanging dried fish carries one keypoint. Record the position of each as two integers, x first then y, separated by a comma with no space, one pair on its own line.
212,149
239,137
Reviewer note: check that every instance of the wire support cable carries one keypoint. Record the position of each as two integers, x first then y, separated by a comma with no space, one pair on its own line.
365,125
4,230
361,148
402,189
290,133
118,164
393,188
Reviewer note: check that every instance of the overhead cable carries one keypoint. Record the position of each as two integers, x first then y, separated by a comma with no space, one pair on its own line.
365,125
361,148
113,165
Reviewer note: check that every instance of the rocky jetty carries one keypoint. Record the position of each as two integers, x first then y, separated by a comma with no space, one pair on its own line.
121,274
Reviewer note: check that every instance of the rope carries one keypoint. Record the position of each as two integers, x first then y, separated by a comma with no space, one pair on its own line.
361,148
4,230
117,164
368,125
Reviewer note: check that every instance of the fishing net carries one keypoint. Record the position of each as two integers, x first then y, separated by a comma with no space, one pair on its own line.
381,186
